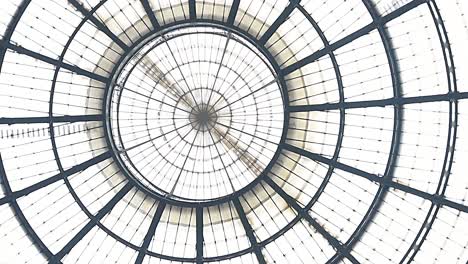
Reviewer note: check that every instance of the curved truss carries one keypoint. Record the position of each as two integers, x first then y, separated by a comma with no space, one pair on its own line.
357,157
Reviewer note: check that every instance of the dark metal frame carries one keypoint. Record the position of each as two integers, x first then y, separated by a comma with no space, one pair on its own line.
385,182
149,235
248,230
451,138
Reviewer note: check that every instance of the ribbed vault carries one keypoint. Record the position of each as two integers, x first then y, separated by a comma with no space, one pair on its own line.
233,131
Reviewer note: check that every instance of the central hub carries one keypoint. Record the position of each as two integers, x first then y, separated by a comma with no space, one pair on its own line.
203,119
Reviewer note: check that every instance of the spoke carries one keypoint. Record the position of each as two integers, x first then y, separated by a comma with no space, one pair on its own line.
249,231
382,102
243,86
173,147
279,21
53,61
151,139
219,69
222,162
150,13
316,225
155,73
98,23
75,169
192,9
137,138
151,231
183,165
11,27
245,132
238,109
154,99
93,222
434,198
255,91
233,12
259,114
353,36
180,70
199,234
54,119
250,162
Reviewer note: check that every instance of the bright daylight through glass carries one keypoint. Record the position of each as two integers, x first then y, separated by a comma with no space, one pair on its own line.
234,131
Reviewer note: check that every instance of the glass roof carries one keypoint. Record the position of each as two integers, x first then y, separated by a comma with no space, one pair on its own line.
233,131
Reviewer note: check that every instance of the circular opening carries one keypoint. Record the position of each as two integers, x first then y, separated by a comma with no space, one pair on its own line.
196,113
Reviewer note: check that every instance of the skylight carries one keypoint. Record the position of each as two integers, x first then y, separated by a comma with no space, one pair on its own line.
233,131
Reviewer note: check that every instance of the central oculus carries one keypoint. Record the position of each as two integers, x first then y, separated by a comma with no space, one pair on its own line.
203,118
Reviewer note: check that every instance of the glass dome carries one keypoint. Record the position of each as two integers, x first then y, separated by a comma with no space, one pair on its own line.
233,131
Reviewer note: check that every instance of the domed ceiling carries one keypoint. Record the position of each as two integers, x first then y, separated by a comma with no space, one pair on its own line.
233,131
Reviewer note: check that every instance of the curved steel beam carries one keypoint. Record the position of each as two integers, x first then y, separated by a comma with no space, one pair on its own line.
249,231
396,136
233,12
88,14
353,36
279,21
151,230
12,196
149,12
46,119
336,244
192,9
11,27
57,63
435,198
448,97
426,226
36,240
199,234
93,222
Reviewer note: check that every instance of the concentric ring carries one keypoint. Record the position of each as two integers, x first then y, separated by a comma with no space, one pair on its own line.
166,89
201,131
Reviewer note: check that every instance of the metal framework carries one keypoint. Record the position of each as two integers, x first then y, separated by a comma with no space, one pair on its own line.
253,162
